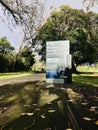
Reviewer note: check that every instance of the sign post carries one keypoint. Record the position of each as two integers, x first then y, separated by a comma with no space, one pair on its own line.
58,61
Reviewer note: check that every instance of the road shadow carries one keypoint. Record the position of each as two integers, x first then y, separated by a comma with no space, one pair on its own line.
37,105
33,105
85,100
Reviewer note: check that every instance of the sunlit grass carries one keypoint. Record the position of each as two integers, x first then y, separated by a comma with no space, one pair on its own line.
14,75
87,69
88,76
85,80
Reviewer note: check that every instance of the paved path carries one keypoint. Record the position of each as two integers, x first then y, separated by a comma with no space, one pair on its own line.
33,77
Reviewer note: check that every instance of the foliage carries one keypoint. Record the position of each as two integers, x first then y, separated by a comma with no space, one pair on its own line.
81,46
27,15
6,52
24,60
3,62
5,46
10,61
75,25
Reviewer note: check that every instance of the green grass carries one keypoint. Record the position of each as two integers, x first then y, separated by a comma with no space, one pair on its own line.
87,69
86,80
86,84
88,76
13,75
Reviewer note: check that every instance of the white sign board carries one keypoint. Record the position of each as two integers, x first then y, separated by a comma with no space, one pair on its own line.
57,59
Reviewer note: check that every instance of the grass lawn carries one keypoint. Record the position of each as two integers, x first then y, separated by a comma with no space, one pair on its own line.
85,85
40,106
13,75
88,76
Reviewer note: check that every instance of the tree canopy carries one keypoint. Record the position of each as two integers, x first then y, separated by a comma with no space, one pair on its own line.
11,61
77,26
5,46
27,14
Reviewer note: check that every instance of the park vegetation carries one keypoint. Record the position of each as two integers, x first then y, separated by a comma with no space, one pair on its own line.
35,105
11,61
27,16
77,26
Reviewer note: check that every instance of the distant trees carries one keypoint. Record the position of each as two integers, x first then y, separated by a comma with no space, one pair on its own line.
25,60
77,26
5,46
5,53
8,60
27,15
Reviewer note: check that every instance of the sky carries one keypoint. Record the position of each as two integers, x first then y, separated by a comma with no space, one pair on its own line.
77,4
14,37
57,3
5,31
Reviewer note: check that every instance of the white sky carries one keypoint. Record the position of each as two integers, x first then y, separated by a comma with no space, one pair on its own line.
57,3
77,4
4,31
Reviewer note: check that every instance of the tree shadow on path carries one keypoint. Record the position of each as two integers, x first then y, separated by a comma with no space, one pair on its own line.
32,105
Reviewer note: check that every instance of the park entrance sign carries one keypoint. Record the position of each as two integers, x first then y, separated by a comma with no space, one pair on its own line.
58,62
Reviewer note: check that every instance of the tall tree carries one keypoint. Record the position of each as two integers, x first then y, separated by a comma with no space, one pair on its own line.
76,26
5,46
25,60
27,14
6,55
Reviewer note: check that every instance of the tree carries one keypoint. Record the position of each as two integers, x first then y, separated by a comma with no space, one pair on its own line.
9,62
5,46
28,16
82,49
76,26
25,14
25,60
6,52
